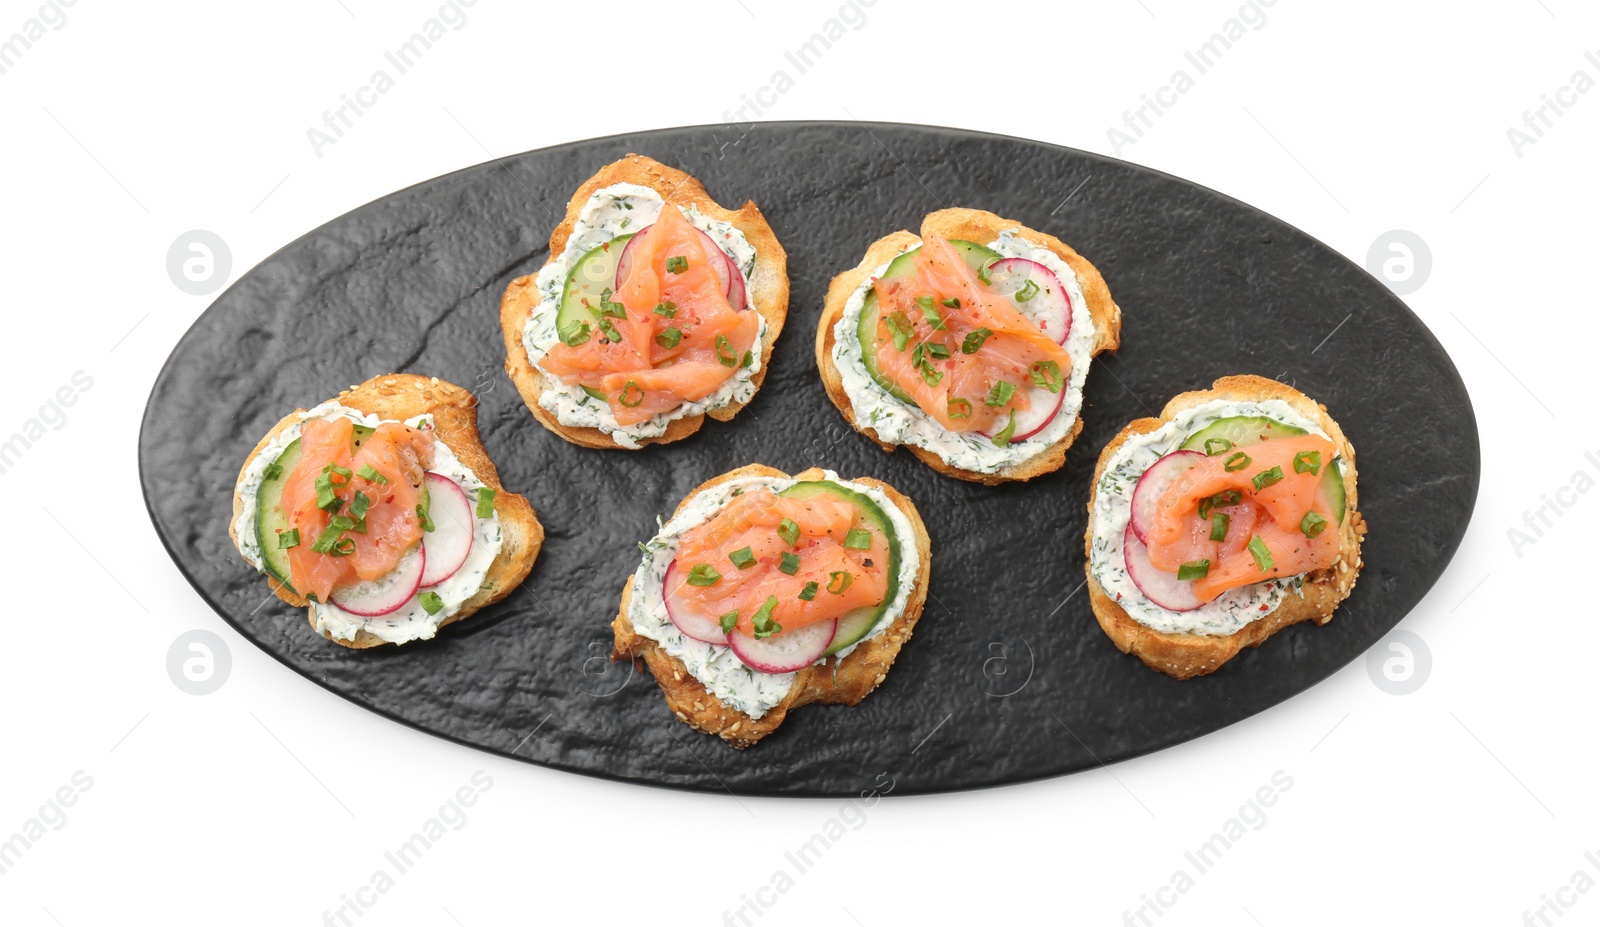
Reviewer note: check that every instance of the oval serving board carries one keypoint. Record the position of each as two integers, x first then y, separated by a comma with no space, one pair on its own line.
1008,677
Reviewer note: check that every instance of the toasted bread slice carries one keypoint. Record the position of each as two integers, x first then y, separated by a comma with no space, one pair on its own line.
768,292
399,396
1185,655
981,227
834,681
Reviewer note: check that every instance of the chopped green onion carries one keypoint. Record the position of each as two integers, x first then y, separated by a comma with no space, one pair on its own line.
858,539
288,539
999,394
930,314
951,303
677,264
1308,462
594,393
485,502
743,558
789,563
422,516
1258,550
343,547
899,325
985,274
930,375
1219,526
703,574
1205,508
1003,437
609,331
1313,524
1215,446
609,308
272,472
1029,290
747,359
1194,569
1227,497
762,619
371,475
925,302
574,333
728,621
630,391
725,352
666,307
1267,478
325,540
1046,374
842,580
669,337
1236,462
431,602
346,523
938,350
359,504
975,340
789,531
959,408
809,592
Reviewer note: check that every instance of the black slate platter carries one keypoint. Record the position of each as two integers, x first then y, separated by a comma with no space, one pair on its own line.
1008,677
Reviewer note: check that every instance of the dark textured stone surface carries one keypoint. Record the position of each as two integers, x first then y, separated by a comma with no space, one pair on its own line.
1008,677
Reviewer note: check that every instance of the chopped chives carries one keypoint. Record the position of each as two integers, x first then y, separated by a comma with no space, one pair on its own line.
1003,437
288,539
975,340
1236,462
666,307
809,592
1267,478
951,303
1219,526
743,558
1194,569
371,475
574,333
1046,374
630,391
840,579
1215,446
677,264
728,621
858,539
669,337
1029,290
431,602
1263,556
1313,524
765,627
789,531
703,574
999,394
937,350
1308,462
959,408
485,502
725,353
789,563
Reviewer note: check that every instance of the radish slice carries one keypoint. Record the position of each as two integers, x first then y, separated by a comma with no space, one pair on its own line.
450,541
1162,474
725,269
386,595
786,651
685,616
737,298
1160,587
1042,408
1050,306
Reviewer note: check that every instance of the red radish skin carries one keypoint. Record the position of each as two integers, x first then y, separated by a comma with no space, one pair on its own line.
1051,305
1162,474
1043,407
738,299
385,596
450,541
684,617
726,271
787,651
1160,587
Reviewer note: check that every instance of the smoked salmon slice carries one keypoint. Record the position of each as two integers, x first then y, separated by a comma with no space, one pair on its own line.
807,553
1276,519
375,486
961,351
669,337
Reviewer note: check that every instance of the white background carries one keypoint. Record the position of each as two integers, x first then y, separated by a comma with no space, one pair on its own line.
271,801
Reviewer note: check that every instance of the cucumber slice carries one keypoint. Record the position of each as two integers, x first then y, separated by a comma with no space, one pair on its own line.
977,257
1244,430
269,518
593,275
854,625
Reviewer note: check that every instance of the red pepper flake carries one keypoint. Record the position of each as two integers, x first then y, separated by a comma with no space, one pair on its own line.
1263,606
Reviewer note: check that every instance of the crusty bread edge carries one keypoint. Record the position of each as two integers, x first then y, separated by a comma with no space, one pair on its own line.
399,396
768,292
1183,656
833,682
980,226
